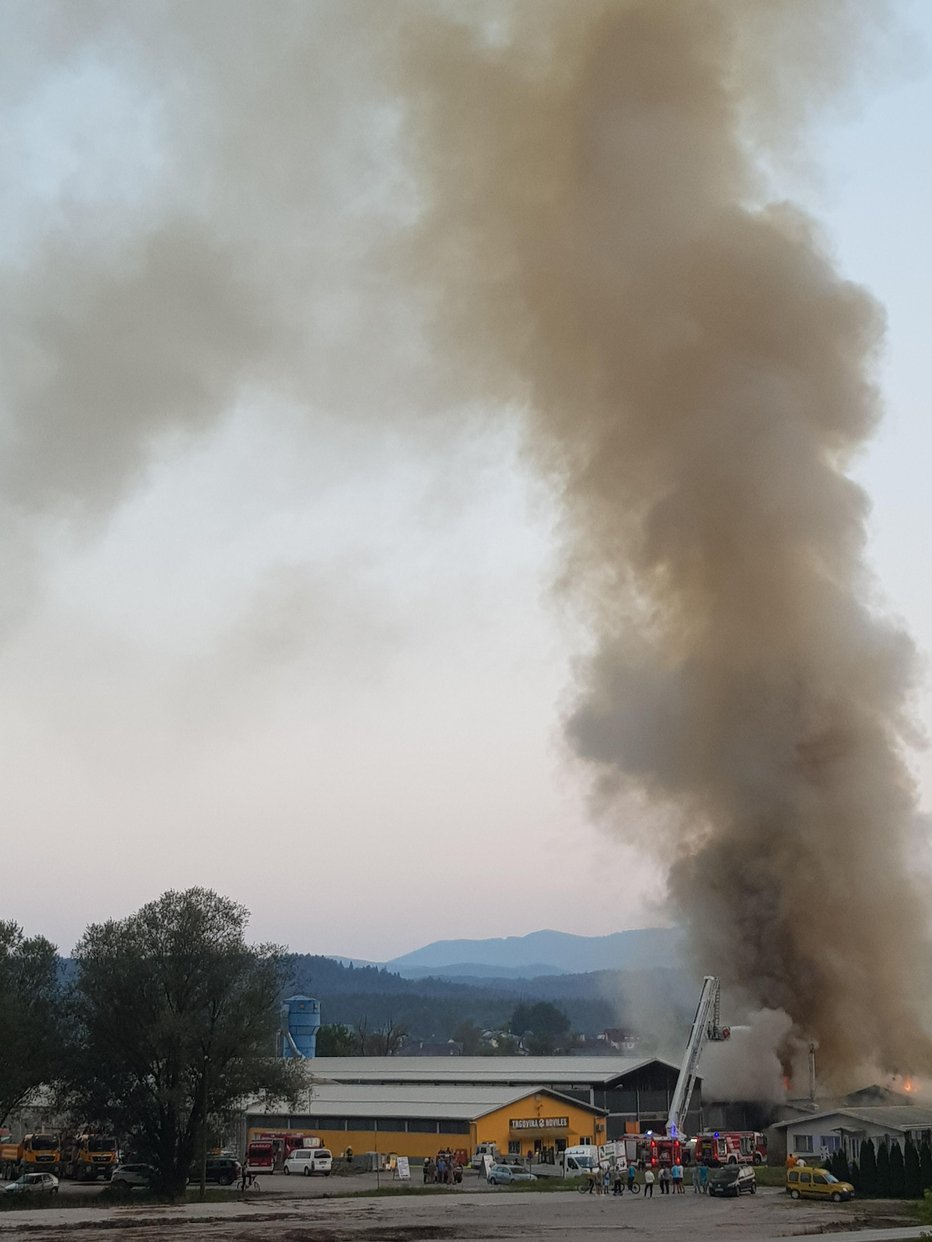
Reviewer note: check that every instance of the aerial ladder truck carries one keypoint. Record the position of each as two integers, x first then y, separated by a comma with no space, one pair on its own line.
706,1027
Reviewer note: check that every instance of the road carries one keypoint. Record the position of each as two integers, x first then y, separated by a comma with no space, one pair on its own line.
298,1213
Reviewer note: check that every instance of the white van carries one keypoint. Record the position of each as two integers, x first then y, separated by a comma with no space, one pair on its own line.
310,1160
578,1161
482,1150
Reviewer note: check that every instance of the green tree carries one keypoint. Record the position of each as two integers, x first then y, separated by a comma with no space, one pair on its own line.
883,1189
469,1035
854,1176
30,1009
838,1164
175,1023
913,1171
336,1041
868,1169
897,1172
544,1026
925,1165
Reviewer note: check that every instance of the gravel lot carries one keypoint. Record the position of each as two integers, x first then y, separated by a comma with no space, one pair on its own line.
477,1215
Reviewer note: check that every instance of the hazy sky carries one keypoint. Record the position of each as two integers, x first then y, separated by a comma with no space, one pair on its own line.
310,660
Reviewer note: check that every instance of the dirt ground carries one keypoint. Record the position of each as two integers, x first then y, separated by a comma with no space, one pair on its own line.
488,1217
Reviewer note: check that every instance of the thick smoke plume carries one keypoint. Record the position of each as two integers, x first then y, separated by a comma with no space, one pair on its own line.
697,378
385,210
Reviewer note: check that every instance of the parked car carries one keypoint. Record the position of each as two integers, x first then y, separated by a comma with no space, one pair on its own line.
732,1179
504,1175
33,1184
132,1175
224,1170
817,1184
310,1160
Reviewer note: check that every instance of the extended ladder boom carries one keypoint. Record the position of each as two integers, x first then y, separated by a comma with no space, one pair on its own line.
705,1026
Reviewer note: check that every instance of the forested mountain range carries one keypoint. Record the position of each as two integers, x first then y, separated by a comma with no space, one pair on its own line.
434,1008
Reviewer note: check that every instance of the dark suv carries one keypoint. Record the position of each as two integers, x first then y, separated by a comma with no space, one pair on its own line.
733,1179
221,1169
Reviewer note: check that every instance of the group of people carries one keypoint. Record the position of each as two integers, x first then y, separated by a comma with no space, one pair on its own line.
445,1170
615,1179
611,1178
669,1177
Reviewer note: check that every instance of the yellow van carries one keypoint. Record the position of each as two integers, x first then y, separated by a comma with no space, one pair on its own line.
817,1184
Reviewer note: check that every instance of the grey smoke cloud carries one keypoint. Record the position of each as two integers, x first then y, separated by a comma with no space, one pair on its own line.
408,213
698,377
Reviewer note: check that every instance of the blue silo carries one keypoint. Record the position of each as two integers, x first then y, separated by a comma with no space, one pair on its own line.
300,1024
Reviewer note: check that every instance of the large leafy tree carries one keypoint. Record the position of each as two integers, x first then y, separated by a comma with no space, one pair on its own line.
30,1009
175,1023
544,1026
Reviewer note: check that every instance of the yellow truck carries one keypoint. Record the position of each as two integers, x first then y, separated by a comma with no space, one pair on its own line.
87,1157
40,1153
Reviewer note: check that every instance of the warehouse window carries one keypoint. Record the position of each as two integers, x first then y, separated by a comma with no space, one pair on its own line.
421,1125
360,1123
453,1127
395,1124
802,1142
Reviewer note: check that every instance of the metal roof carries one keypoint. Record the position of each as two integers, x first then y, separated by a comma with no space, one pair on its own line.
589,1071
448,1103
891,1116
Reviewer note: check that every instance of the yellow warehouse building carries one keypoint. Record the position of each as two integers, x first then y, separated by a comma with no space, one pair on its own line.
417,1121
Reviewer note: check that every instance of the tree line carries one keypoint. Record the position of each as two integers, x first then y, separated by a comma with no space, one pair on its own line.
888,1171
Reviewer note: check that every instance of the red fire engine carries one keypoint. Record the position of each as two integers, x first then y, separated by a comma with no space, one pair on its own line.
731,1147
268,1150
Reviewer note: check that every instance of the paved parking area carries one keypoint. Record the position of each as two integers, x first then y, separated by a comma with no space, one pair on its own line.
488,1216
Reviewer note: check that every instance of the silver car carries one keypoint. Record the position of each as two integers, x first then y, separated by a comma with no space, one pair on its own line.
33,1184
132,1175
505,1175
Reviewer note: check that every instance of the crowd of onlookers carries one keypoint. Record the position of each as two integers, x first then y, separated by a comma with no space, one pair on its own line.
444,1170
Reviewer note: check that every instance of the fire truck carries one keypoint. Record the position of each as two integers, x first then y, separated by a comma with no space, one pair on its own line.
267,1150
655,1151
731,1147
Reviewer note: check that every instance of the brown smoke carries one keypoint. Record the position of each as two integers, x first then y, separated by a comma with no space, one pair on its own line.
697,377
389,209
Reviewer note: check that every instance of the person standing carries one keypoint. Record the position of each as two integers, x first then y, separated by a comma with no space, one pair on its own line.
694,1175
632,1174
703,1178
648,1183
664,1180
677,1173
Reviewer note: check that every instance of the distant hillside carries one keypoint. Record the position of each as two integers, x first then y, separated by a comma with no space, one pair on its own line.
657,1002
477,970
546,952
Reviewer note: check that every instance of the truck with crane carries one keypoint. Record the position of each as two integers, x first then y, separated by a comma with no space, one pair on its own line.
706,1028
